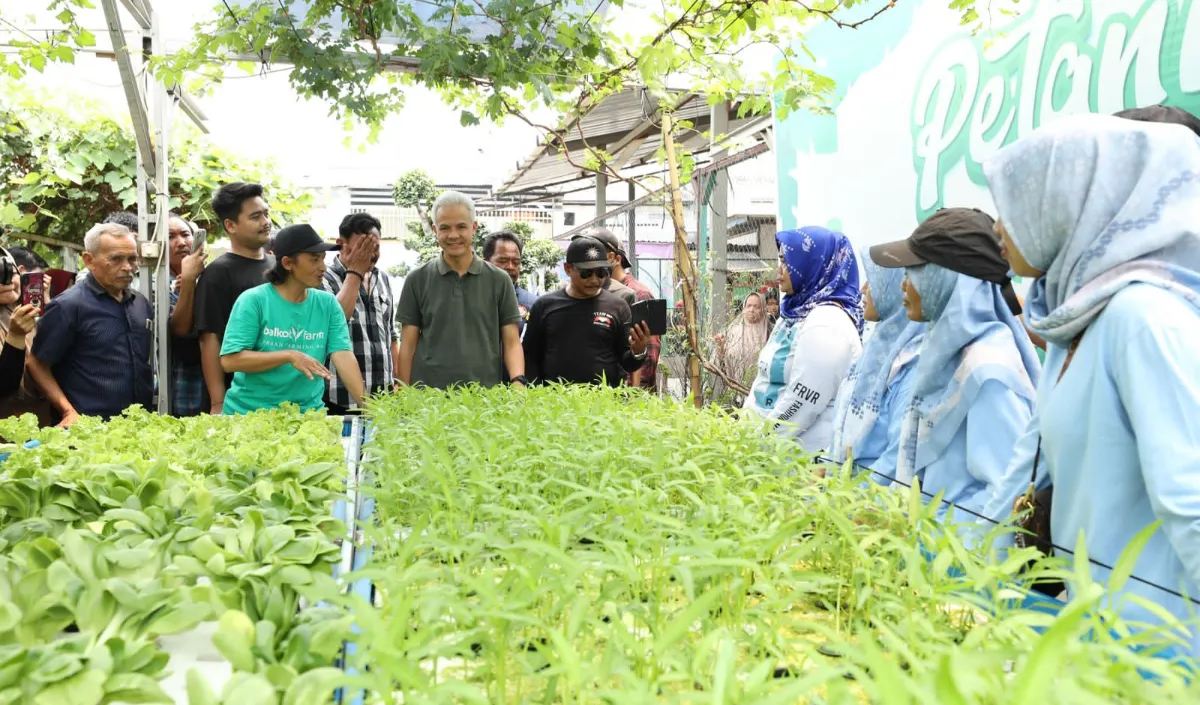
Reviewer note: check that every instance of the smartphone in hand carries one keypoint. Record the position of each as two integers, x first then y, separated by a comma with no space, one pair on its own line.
653,312
198,240
33,289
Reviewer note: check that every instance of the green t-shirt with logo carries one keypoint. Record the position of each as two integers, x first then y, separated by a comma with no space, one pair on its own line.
264,321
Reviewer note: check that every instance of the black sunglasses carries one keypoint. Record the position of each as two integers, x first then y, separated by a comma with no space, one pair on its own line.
604,272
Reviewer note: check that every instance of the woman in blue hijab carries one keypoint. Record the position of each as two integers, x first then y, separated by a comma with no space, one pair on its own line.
974,383
816,339
871,402
1105,213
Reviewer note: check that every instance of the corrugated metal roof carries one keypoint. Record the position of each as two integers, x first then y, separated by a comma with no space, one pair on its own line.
626,125
722,163
382,195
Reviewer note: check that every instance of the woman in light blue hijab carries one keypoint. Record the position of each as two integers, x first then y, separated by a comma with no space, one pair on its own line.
872,400
1105,212
974,383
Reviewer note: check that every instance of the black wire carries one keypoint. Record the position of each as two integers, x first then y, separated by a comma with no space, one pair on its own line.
238,23
1056,547
288,15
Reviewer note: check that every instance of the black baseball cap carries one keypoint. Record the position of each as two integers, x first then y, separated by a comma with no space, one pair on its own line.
1162,113
959,239
611,242
295,239
956,238
586,253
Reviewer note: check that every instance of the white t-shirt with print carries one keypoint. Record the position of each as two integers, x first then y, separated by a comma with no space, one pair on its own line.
799,372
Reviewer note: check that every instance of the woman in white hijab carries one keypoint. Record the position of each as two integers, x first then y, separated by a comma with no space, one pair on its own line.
739,345
1105,214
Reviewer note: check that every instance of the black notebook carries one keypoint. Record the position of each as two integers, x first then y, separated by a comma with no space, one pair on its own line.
654,313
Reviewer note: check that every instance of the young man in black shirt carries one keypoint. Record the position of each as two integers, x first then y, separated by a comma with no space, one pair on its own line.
581,334
247,221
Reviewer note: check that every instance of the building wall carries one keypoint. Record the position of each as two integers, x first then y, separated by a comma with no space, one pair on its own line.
923,103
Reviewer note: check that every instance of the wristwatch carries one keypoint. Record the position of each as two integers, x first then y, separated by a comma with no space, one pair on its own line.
520,379
642,356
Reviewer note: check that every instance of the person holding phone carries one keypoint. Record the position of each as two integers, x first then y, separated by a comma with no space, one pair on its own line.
189,397
20,309
12,358
582,334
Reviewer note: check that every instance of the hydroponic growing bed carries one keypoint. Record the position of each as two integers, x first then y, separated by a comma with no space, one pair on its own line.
125,547
546,545
578,545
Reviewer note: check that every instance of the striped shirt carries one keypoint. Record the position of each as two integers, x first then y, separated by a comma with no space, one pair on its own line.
372,330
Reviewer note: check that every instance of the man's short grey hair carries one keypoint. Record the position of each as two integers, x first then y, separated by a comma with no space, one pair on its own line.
91,241
453,198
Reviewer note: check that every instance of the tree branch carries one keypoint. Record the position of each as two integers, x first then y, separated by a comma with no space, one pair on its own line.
831,14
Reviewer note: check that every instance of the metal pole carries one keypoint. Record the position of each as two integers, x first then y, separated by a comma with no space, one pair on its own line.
161,298
718,205
152,183
633,259
601,196
702,265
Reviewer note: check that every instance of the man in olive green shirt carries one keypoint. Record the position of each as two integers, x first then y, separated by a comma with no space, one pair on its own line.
458,314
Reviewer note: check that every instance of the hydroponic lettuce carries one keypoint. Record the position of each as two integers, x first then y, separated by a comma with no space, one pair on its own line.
147,526
563,545
547,545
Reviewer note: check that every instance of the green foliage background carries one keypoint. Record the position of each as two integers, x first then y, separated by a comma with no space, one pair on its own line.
63,169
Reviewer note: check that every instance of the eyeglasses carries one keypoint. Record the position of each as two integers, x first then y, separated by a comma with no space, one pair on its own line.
603,273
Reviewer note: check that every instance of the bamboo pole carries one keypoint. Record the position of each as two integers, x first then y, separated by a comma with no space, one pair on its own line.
685,268
685,272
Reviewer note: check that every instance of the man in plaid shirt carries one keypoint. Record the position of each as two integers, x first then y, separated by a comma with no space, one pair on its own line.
365,294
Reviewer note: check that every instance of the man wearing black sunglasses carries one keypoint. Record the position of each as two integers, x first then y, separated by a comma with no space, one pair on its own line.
612,286
581,333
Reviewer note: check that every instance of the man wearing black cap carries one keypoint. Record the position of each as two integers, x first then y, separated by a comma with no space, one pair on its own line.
610,247
581,334
280,333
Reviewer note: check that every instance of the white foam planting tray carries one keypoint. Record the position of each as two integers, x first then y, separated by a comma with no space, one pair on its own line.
193,650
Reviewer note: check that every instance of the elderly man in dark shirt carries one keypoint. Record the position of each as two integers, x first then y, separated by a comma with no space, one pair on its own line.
91,355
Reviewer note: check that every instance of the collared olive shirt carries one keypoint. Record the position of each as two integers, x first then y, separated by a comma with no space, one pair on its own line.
460,318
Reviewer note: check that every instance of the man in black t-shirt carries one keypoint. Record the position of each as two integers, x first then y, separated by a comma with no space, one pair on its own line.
247,221
581,334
